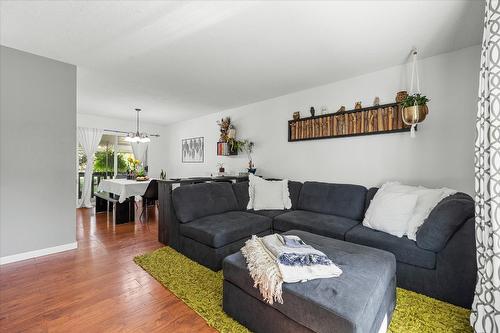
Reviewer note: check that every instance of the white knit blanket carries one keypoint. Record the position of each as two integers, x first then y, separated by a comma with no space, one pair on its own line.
267,260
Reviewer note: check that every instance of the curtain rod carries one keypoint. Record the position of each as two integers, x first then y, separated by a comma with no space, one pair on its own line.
125,132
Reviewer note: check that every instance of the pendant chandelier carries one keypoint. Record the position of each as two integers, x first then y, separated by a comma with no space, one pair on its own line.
137,136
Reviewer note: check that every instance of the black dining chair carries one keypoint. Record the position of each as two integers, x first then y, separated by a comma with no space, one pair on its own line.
150,196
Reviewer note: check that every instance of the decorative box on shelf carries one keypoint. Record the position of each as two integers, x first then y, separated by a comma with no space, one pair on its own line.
225,149
379,119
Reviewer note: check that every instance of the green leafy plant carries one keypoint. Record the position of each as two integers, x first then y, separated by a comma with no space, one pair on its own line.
415,99
236,145
141,173
241,146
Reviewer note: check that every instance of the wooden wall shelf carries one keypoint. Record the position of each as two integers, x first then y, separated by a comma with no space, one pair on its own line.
380,119
224,149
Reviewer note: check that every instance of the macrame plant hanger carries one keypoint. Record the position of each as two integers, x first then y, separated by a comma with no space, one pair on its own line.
414,77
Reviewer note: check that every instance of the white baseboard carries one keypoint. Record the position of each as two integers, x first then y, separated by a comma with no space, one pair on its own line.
37,253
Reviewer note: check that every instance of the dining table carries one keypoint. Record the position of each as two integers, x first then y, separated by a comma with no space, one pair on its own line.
123,188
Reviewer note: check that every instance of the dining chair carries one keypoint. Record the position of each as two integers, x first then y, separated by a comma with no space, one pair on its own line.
151,195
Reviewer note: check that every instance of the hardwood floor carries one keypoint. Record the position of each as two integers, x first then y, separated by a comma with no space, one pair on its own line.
96,288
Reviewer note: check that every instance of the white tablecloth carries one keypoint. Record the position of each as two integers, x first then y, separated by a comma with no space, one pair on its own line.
123,187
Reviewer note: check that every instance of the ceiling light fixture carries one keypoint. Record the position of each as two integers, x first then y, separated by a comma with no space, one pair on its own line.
137,136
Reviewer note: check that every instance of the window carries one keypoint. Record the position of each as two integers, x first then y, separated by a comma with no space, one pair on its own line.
105,165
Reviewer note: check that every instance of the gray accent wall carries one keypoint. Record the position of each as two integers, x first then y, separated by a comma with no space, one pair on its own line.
37,152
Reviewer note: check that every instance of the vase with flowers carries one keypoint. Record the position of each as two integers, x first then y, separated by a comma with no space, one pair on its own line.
134,167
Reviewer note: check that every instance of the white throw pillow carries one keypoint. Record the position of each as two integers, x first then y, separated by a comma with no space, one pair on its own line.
390,212
265,194
427,199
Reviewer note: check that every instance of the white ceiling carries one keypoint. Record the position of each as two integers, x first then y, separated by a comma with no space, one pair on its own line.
179,60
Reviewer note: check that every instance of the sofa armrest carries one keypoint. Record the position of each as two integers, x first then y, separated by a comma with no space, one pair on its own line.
457,267
173,226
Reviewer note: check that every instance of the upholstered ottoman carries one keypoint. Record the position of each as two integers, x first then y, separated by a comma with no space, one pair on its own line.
362,299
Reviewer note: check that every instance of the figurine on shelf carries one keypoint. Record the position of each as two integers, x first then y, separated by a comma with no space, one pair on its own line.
296,115
358,106
163,175
342,109
324,110
376,101
401,96
312,111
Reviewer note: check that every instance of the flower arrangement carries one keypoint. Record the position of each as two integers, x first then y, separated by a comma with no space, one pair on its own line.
224,127
134,163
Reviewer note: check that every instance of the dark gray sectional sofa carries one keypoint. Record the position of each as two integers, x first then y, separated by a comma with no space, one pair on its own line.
210,221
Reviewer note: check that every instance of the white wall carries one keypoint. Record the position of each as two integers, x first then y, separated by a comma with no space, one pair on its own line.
441,155
156,153
37,155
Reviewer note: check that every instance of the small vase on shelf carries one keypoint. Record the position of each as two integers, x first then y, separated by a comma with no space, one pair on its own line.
251,167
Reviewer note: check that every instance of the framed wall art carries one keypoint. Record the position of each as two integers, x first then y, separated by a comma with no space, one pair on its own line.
193,150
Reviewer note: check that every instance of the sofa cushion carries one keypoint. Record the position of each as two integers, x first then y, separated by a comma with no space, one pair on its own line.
443,221
241,192
317,223
222,229
198,200
404,249
370,194
271,213
334,199
294,188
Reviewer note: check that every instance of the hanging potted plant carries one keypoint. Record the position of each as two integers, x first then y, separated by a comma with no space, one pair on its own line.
414,109
414,106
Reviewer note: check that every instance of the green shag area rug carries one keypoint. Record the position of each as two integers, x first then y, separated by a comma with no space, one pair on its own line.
201,289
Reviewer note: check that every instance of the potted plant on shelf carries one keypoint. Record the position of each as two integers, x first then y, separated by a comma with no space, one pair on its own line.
414,109
247,146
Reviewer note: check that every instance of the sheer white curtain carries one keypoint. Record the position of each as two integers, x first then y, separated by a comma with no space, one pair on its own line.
139,149
89,139
485,317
